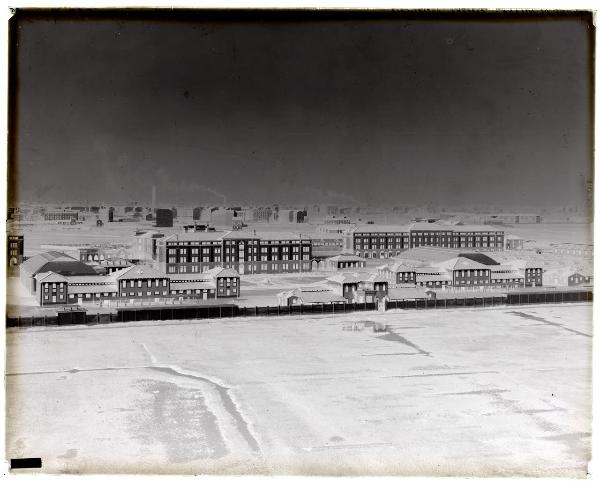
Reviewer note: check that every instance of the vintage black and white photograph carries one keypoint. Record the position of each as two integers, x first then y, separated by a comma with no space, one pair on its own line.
300,242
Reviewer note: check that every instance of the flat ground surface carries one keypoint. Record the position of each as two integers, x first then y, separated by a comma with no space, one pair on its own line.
487,392
546,233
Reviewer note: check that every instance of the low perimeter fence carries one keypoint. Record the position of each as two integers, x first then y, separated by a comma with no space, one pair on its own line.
133,314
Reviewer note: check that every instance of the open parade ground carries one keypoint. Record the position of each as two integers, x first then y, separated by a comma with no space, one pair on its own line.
498,391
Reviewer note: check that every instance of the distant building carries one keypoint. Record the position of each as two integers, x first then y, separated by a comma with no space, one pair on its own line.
337,220
261,215
514,242
15,245
99,223
326,245
222,218
301,216
582,250
63,215
88,255
582,277
164,218
144,245
497,218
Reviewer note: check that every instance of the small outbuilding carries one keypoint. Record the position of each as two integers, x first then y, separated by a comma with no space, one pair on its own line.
344,261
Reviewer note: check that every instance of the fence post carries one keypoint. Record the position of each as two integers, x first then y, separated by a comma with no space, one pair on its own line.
220,312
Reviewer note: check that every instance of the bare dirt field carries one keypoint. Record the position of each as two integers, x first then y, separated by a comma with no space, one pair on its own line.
546,233
501,391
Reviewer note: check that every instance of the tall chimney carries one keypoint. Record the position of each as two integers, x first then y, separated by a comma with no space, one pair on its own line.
153,199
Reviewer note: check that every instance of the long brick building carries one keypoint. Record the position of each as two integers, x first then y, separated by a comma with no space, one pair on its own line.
60,280
243,251
386,241
454,268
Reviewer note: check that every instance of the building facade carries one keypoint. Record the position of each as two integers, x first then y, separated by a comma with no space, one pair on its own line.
15,245
384,241
134,283
164,218
464,271
63,215
242,251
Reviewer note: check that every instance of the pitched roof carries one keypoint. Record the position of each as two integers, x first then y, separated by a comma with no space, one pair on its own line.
506,275
380,229
138,271
34,263
375,278
345,257
347,278
583,273
196,236
480,258
439,277
428,254
470,228
400,267
75,289
48,277
425,226
189,277
57,262
268,235
206,285
221,272
461,263
91,279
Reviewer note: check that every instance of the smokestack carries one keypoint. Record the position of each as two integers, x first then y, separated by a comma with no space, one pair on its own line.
153,199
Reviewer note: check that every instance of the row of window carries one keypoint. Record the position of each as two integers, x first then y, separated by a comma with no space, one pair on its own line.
262,267
471,273
132,283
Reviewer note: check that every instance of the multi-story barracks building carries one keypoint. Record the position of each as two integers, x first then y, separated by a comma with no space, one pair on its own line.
242,251
466,270
386,241
137,282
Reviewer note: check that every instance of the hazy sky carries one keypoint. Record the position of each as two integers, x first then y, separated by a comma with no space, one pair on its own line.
381,110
